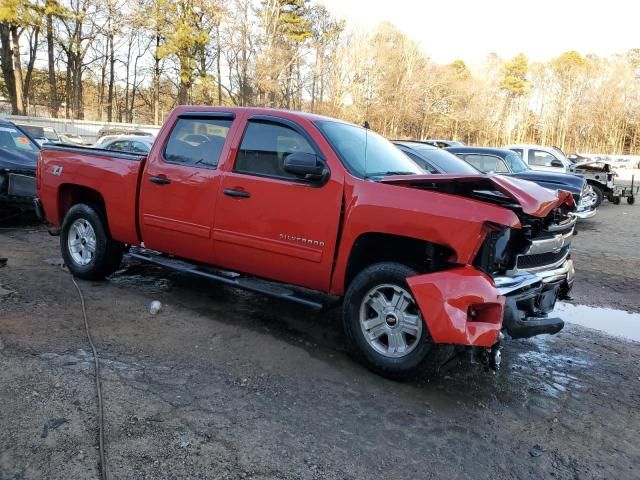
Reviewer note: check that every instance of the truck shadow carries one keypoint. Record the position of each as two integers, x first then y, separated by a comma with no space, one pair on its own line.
532,374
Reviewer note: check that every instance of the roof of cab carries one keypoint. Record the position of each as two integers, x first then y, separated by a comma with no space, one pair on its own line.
501,152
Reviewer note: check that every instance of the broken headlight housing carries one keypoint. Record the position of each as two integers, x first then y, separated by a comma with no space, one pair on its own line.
496,253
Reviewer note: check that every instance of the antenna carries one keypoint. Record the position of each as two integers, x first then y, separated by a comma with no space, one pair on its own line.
366,139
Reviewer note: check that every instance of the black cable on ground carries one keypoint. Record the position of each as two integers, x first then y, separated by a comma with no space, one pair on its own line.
103,463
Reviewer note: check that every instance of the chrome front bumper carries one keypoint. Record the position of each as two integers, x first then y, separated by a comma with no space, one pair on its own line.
531,297
510,284
585,214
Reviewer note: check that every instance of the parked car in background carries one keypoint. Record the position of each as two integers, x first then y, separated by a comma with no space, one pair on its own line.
507,162
40,134
117,131
425,264
437,143
127,143
72,139
18,155
435,160
551,159
481,160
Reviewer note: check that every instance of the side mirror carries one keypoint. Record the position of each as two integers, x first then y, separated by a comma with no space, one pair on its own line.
306,166
557,164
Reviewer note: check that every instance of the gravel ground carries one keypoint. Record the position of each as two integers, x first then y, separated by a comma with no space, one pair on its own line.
225,384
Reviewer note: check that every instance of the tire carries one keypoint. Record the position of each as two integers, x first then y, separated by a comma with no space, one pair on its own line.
599,194
631,200
82,224
387,279
615,200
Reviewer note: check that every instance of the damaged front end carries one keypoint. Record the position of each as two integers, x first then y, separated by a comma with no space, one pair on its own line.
516,277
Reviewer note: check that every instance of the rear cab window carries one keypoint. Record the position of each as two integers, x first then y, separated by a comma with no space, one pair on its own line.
487,163
197,142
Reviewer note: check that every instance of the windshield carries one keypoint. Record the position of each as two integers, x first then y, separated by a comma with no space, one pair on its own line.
50,134
516,163
34,131
445,161
365,153
13,139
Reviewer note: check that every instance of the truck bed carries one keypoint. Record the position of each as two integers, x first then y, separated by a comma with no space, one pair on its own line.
107,177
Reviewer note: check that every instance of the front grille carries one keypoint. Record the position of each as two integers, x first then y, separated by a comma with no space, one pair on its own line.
542,259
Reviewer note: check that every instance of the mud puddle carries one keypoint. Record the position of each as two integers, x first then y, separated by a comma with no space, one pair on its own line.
614,322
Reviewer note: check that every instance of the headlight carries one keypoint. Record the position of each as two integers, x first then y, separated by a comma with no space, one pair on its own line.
496,254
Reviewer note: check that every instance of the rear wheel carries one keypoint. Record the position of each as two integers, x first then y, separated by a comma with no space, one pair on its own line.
383,323
86,247
631,200
615,200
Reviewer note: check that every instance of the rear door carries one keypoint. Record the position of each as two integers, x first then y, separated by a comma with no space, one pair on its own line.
270,223
179,186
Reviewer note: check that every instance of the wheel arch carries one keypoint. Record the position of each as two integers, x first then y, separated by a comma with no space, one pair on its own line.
70,194
375,247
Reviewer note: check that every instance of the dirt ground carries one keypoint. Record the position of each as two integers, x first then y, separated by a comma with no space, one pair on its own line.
224,384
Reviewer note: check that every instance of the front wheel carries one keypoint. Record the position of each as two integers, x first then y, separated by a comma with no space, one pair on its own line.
87,249
599,195
383,323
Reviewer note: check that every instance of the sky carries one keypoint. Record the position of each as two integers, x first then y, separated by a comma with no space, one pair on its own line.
471,29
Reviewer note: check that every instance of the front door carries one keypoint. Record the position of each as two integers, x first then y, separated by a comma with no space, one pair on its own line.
179,186
269,222
545,161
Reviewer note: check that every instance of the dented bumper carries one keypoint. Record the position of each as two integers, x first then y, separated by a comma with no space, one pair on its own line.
459,306
464,306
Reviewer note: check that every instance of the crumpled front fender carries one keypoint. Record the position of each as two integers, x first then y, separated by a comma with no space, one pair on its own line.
460,306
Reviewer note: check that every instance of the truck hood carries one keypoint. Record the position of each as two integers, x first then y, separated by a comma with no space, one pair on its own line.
17,160
508,192
555,181
591,166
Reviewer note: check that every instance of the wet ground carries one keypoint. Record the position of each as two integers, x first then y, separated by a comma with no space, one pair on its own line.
227,384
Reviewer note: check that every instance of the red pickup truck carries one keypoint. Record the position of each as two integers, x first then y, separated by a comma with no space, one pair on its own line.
291,204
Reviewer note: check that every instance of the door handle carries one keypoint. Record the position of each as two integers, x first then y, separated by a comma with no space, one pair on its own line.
160,180
236,193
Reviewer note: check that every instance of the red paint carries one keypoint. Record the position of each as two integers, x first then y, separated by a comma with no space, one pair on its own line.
534,199
446,299
261,235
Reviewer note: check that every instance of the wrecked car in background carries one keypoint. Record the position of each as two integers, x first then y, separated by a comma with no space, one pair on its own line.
507,162
18,155
290,204
599,175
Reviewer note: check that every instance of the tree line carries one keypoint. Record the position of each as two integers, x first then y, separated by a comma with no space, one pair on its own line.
132,61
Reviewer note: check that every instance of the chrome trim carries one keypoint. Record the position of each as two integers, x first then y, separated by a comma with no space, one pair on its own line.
565,271
549,245
587,214
562,226
509,284
506,285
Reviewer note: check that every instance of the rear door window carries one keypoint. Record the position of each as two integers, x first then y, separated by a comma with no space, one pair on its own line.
487,163
197,142
264,148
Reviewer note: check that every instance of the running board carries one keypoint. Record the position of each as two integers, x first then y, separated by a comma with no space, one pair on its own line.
232,279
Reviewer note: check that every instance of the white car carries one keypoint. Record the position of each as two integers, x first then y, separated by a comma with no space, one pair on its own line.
127,143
